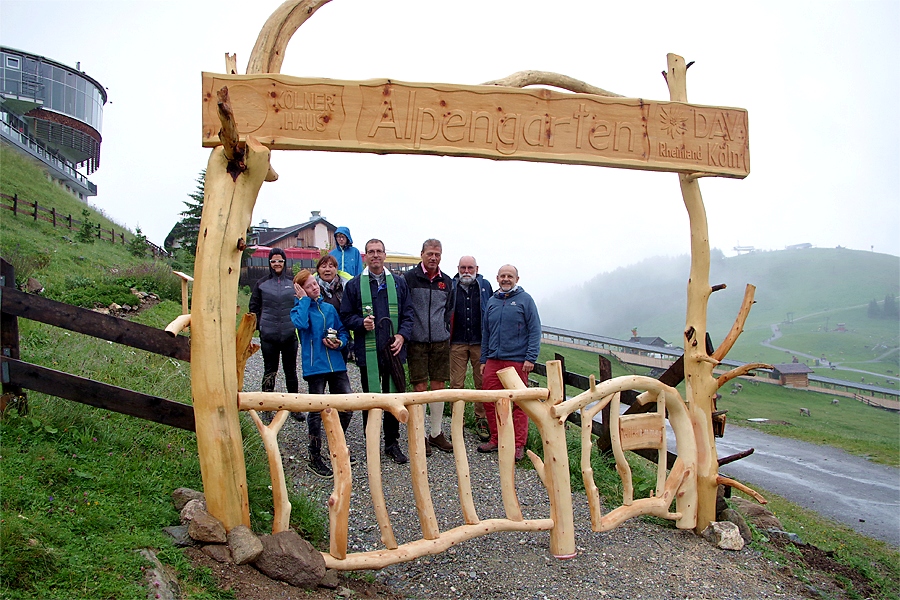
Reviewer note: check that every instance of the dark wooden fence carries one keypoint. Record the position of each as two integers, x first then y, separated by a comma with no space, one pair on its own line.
18,375
19,206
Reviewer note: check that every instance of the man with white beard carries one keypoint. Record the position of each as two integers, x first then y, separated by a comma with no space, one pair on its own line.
468,296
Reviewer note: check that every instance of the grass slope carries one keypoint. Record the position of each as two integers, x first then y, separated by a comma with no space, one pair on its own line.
84,488
80,273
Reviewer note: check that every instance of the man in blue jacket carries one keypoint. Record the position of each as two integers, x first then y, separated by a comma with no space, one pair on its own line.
348,258
510,337
374,305
469,295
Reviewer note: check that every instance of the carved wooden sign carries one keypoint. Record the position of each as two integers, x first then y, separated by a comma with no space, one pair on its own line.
384,116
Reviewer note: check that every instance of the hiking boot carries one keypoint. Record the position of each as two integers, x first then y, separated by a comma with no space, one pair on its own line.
299,416
396,454
441,443
488,447
520,453
427,447
481,429
319,467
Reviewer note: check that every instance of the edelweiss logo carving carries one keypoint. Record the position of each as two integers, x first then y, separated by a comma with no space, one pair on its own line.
672,122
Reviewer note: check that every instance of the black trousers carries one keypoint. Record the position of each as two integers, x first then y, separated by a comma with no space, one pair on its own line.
338,383
390,424
287,351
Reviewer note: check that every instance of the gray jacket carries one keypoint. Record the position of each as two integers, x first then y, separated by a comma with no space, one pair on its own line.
271,300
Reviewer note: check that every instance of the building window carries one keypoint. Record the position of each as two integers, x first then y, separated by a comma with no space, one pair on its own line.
12,62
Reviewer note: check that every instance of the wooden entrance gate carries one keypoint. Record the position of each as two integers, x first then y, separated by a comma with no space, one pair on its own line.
244,116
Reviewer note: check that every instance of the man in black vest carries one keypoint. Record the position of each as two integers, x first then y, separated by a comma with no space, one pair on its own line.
468,297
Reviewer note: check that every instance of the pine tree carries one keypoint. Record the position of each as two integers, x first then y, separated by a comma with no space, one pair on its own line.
85,233
874,312
890,307
187,229
138,244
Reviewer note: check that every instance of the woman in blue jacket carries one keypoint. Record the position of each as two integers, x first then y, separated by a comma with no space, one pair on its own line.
322,335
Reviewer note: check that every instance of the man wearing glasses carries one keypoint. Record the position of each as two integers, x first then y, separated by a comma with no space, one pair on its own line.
376,307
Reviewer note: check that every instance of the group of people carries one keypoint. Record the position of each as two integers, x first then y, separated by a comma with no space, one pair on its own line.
426,321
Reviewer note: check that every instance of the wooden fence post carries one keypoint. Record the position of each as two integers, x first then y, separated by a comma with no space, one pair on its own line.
9,334
69,219
35,210
604,374
53,213
562,366
15,204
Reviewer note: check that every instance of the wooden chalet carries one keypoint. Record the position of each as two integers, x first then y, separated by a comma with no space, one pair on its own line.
650,341
792,374
315,233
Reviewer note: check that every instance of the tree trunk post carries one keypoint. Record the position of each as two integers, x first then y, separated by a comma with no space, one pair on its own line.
700,385
227,209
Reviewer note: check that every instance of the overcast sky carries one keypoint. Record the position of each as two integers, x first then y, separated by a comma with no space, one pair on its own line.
818,79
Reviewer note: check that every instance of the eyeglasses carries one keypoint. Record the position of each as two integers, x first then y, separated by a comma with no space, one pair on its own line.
277,261
374,251
462,268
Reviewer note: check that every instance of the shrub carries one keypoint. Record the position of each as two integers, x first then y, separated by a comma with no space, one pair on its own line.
138,244
153,276
90,293
86,230
25,264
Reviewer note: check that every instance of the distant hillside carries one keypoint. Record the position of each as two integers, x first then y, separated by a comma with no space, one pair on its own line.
817,288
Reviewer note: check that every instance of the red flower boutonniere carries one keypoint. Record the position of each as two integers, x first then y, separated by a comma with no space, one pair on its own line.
442,285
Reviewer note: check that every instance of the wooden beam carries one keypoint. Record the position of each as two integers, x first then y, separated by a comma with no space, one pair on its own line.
557,80
94,324
271,44
101,395
388,116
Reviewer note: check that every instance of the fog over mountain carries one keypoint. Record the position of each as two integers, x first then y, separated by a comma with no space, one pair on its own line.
651,295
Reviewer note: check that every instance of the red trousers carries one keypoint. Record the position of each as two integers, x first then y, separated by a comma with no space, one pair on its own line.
490,381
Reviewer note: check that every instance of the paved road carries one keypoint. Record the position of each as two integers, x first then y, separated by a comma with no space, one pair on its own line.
849,489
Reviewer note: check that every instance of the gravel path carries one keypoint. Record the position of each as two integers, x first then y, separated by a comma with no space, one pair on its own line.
640,559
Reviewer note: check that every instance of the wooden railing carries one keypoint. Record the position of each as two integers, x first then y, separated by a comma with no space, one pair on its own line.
20,206
547,409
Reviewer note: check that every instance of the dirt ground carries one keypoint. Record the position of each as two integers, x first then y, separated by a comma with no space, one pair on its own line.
249,584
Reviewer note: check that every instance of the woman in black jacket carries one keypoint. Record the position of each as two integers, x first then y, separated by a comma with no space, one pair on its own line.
271,300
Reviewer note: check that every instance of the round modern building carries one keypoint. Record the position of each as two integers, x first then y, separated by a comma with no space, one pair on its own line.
54,113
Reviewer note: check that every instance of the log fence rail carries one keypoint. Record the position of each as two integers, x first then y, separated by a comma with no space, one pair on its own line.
18,375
